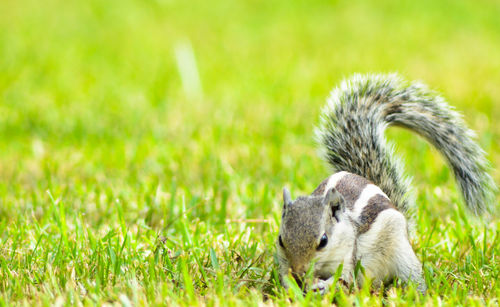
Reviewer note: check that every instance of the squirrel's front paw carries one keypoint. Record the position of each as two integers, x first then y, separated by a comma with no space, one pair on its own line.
321,286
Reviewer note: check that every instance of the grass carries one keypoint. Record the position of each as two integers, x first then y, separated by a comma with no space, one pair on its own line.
144,144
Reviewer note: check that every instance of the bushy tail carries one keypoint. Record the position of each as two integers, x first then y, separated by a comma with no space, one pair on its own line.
351,133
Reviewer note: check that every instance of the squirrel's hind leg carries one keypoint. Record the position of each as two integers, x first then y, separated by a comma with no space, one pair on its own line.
408,267
385,251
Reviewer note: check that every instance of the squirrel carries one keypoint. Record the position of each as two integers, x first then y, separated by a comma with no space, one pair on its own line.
360,213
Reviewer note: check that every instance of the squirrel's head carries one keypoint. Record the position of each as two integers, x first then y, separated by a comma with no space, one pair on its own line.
307,226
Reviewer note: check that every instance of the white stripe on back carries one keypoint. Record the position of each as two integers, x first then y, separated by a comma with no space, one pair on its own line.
333,180
368,192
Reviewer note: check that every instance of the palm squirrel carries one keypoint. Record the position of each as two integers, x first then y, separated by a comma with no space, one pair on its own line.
359,214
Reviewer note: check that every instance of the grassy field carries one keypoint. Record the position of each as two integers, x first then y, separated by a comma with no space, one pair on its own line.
144,144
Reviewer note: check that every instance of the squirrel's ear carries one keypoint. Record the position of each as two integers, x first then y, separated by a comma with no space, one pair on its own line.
287,199
333,198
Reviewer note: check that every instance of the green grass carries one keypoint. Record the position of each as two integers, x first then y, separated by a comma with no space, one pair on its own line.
125,180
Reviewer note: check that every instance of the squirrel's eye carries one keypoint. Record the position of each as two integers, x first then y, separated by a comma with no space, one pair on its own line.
281,242
322,242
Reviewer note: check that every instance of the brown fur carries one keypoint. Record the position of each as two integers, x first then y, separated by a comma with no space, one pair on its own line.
376,204
320,190
351,186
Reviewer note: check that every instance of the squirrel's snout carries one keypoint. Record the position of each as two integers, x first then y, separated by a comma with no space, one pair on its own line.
299,270
298,273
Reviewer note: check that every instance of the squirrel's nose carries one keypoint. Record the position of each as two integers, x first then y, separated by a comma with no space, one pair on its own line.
299,269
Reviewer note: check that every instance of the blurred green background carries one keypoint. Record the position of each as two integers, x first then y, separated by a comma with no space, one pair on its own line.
210,105
96,85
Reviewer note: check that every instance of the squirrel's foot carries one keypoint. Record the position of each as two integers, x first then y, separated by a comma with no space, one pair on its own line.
322,286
